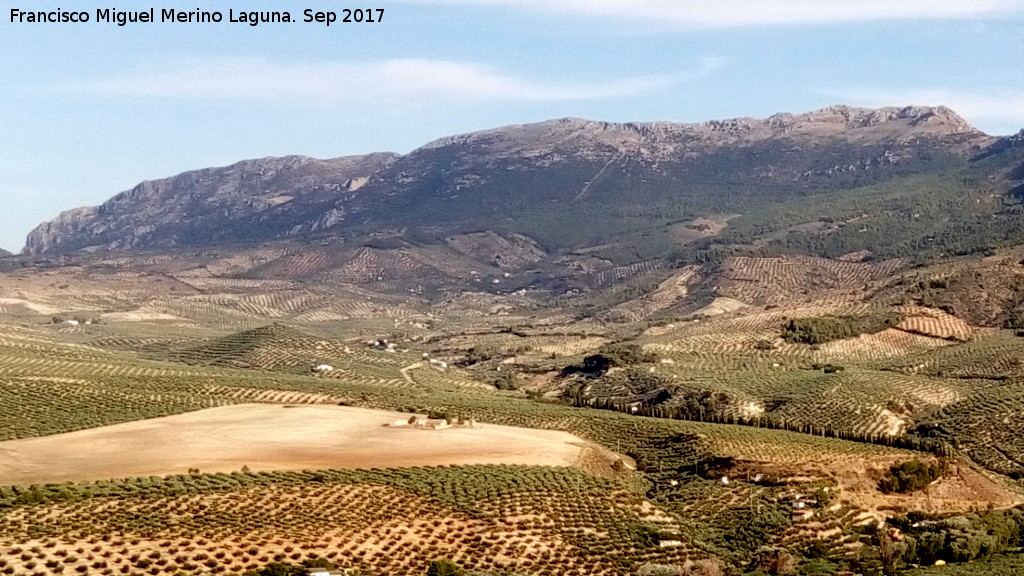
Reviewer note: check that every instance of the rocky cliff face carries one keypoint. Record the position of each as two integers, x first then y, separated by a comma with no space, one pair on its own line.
66,227
517,177
247,200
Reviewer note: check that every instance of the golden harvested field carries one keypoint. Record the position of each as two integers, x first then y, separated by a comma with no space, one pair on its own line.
274,437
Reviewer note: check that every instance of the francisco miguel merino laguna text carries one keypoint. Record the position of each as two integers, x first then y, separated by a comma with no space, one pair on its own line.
252,18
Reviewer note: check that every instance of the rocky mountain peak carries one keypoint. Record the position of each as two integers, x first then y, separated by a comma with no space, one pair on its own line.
851,117
665,138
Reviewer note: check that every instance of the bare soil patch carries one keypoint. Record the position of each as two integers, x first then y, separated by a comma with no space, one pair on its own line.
274,437
140,315
963,489
702,227
31,305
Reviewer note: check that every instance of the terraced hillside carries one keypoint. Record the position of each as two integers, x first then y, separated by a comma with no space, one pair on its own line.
149,336
545,520
442,357
731,388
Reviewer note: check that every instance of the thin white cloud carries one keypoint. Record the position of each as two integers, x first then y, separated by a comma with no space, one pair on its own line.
997,111
400,80
724,13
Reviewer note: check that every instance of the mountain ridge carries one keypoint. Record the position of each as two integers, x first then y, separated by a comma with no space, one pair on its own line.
783,123
469,182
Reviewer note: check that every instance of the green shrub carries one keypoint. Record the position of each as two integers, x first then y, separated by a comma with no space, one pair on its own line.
645,535
824,329
817,567
444,567
608,357
911,476
278,569
626,354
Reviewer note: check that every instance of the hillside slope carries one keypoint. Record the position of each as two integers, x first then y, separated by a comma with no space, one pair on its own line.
531,179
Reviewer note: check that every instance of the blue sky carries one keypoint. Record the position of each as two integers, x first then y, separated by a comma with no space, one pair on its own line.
89,110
